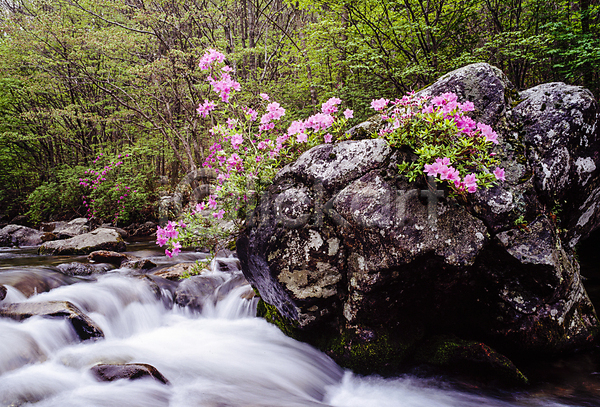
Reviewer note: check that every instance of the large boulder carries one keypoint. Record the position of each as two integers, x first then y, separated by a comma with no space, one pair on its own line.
82,324
351,257
17,235
99,239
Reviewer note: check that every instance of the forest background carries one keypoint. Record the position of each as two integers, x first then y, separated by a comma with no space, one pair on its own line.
85,83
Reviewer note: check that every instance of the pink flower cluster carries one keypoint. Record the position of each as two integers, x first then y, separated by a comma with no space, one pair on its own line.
318,122
442,168
225,86
169,233
204,109
209,57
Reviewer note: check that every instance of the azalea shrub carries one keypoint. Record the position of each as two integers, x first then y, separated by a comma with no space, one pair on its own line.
116,190
252,143
449,145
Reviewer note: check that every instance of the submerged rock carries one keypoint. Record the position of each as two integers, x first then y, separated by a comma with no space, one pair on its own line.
83,325
130,371
82,269
17,235
350,257
99,239
195,291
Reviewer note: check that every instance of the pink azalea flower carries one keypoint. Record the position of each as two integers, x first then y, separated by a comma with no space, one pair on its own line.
168,253
176,248
301,138
212,203
264,96
200,207
471,183
328,138
204,109
219,215
467,106
296,127
209,57
499,174
433,169
348,114
330,106
236,140
379,104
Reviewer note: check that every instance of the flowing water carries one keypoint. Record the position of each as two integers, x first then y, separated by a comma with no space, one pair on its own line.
223,356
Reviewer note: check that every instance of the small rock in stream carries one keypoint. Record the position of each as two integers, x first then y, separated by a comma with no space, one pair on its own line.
2,292
131,371
84,326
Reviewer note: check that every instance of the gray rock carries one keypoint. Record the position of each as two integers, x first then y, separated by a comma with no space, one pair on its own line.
195,291
70,229
32,281
341,244
83,325
99,239
2,292
17,235
82,269
130,371
559,127
176,272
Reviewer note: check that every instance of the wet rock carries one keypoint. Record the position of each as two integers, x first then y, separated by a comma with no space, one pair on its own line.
178,271
32,281
195,291
107,256
82,269
232,284
353,258
17,235
138,264
99,239
130,371
2,292
83,325
474,360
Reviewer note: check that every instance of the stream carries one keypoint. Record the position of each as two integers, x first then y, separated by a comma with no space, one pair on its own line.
223,356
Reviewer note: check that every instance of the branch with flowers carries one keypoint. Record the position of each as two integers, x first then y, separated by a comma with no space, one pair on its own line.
251,144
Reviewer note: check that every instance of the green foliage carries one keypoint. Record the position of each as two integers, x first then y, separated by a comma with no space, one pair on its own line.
59,198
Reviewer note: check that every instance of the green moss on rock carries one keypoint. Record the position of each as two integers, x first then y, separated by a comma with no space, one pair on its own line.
271,314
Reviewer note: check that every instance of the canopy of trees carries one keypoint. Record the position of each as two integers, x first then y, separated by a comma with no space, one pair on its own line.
80,77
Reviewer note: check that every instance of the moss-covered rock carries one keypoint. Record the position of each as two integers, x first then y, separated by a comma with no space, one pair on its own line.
471,358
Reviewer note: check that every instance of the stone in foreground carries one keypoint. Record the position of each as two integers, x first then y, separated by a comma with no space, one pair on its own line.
83,325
